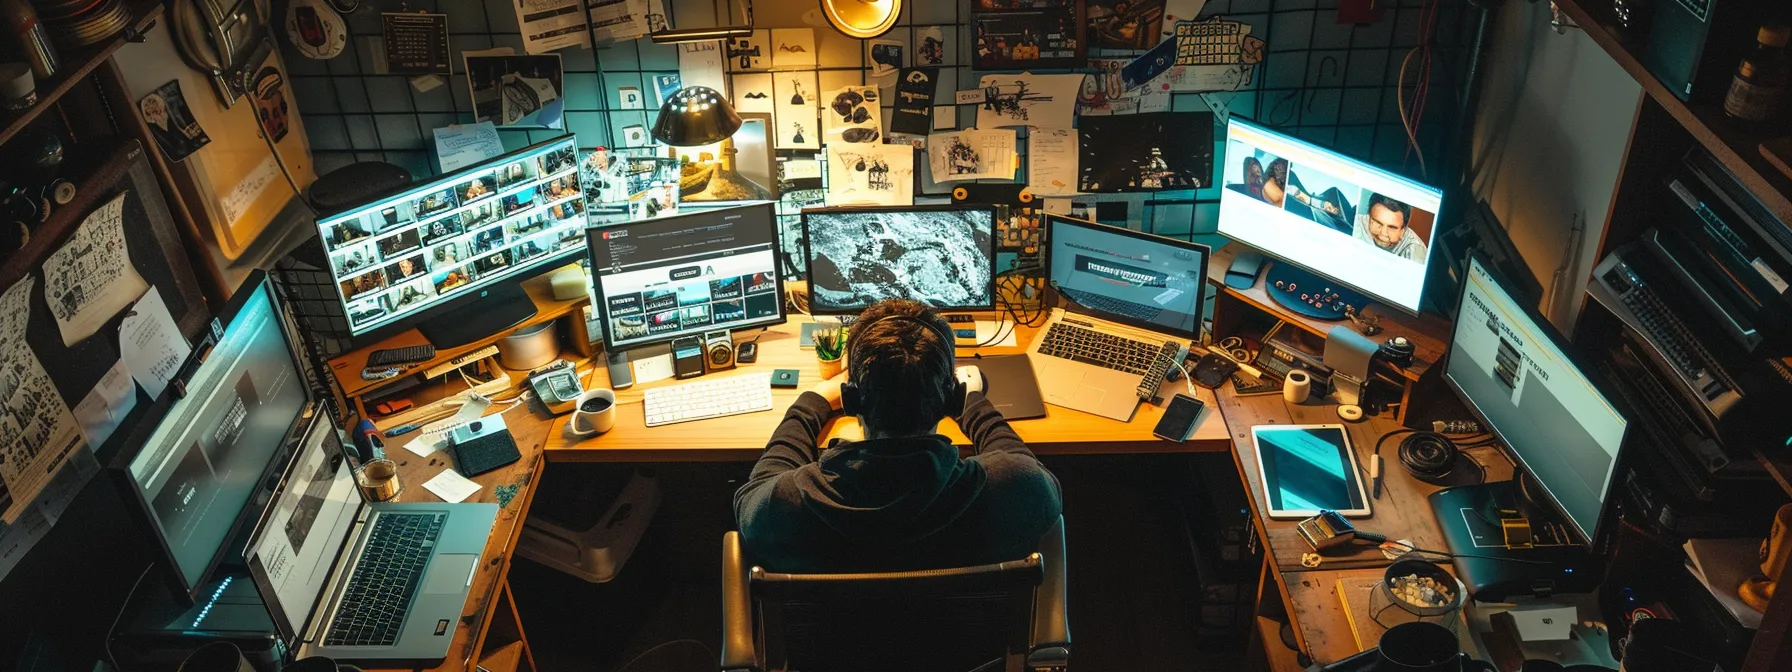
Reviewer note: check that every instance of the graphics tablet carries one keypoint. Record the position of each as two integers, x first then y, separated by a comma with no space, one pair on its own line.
1308,468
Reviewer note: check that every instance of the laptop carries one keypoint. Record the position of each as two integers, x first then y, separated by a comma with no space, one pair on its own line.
1131,303
355,581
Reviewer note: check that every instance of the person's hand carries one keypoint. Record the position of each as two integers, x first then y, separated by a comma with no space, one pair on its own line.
829,389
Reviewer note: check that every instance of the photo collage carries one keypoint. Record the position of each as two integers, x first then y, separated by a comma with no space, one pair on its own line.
1329,201
397,257
701,301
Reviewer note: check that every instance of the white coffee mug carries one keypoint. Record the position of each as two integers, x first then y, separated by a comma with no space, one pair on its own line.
586,423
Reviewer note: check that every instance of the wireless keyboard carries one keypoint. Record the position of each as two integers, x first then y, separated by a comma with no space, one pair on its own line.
706,399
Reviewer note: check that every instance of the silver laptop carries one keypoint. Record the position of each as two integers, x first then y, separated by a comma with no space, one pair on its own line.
1132,303
356,581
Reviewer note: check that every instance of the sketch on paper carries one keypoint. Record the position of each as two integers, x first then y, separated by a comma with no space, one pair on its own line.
794,96
90,278
37,430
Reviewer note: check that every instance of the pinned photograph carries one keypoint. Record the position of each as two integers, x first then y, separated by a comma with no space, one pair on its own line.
1145,152
171,122
931,47
518,91
885,57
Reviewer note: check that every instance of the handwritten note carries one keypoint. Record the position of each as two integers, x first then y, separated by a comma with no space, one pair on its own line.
459,146
236,203
91,278
1051,161
151,344
451,486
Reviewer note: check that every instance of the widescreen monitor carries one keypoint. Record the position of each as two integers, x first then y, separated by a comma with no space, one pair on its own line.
658,279
444,242
1512,370
942,256
199,463
1329,214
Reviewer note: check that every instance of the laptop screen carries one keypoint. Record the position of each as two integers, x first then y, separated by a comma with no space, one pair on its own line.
1133,278
307,523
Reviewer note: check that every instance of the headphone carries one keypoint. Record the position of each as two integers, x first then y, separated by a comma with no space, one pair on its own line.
852,397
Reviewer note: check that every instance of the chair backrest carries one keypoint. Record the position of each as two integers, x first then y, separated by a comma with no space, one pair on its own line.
942,619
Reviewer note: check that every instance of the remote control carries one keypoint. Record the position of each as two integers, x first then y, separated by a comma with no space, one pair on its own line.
404,355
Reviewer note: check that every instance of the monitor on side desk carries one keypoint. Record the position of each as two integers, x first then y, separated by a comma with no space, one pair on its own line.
1514,373
1345,232
448,256
943,256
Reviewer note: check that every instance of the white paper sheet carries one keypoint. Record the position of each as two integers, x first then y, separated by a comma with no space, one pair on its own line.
550,25
801,169
971,155
1027,100
753,52
986,329
616,20
753,93
107,404
451,486
463,145
37,430
793,48
700,64
91,277
794,95
852,107
236,203
652,369
151,344
873,174
1051,161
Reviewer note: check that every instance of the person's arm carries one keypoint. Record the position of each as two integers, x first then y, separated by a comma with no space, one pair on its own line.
793,443
988,430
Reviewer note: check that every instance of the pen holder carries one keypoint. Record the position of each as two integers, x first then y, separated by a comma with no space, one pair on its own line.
378,481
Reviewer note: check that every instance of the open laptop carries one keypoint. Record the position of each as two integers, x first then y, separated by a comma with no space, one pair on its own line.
1132,303
355,581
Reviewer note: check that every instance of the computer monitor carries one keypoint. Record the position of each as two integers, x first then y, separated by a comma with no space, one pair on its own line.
1321,212
1513,371
200,462
447,255
658,279
942,256
1147,281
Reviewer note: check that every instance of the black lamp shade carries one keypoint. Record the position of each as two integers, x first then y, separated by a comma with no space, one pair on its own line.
696,115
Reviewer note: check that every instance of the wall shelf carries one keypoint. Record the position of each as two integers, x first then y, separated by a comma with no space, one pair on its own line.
77,64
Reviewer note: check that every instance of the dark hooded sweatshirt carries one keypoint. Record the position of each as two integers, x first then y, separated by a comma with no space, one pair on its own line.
893,504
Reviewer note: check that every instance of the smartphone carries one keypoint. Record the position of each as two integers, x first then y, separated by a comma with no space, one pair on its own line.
1179,418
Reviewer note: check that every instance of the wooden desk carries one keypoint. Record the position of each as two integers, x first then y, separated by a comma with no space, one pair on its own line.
490,633
742,437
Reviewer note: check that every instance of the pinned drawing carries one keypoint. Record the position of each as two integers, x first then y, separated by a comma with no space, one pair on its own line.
852,115
873,174
794,95
38,432
1027,100
971,155
91,277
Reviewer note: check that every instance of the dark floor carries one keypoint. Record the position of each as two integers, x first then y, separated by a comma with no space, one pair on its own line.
1135,599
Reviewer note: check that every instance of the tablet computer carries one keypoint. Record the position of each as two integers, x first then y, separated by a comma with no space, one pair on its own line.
1308,468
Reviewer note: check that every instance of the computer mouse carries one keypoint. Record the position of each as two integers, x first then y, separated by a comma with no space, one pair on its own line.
972,377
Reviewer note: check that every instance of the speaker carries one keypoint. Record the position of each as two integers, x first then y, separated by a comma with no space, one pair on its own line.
718,351
1349,354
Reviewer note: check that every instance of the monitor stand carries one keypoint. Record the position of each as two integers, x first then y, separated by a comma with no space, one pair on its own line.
1308,294
1495,520
497,308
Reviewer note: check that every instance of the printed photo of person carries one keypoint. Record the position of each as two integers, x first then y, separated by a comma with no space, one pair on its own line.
1394,227
406,268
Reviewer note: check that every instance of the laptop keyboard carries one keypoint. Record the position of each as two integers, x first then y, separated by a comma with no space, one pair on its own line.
1081,344
379,594
1108,304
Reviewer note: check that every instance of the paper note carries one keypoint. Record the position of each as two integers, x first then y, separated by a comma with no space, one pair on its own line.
794,96
236,203
873,174
463,145
650,369
700,64
614,20
549,25
1027,100
91,277
426,444
451,486
37,430
106,404
151,344
800,169
1051,161
971,155
986,329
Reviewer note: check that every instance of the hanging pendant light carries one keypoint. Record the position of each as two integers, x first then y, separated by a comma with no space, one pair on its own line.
863,19
695,116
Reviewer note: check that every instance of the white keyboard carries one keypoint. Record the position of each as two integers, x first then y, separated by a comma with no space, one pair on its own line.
706,399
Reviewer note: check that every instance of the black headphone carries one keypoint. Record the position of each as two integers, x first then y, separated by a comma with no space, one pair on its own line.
852,400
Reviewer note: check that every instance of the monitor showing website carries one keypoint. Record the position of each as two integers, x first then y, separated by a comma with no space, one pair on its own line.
941,256
1333,215
661,278
1558,426
309,520
397,257
203,460
1155,282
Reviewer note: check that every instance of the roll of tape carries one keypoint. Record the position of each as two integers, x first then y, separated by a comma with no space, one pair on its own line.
1296,387
1350,412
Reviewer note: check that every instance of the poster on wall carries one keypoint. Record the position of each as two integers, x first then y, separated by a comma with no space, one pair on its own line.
1045,34
753,52
551,25
1132,25
852,115
1027,99
515,90
416,43
912,111
871,174
794,95
1145,152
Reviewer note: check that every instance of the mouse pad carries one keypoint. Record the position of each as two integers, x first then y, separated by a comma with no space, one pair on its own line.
1009,385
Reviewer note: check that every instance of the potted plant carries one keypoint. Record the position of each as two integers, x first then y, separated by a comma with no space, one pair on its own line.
830,350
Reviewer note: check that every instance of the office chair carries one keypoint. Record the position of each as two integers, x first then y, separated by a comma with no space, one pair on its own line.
1006,617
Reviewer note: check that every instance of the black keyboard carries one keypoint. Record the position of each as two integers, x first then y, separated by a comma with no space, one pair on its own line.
404,355
1082,344
378,596
1108,304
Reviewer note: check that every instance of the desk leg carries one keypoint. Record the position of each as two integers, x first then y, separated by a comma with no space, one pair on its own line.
505,641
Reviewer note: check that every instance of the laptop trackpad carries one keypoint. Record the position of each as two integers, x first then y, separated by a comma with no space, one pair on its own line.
1091,397
449,572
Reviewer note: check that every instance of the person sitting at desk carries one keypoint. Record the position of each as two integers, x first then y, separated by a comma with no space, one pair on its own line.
901,499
